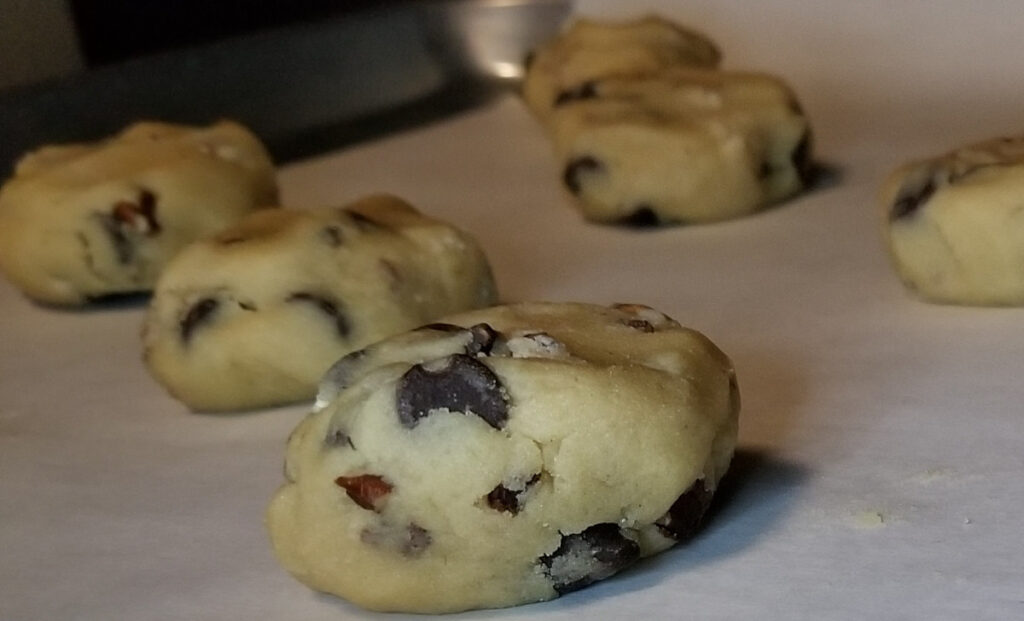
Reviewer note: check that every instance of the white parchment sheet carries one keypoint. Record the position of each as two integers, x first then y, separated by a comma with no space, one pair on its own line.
880,472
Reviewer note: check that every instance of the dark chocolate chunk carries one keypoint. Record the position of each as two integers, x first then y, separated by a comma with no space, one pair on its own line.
460,383
366,490
410,541
441,327
147,205
364,222
484,337
502,498
329,308
684,516
587,90
801,158
584,558
120,298
331,235
640,324
337,437
199,313
417,540
576,169
643,216
339,376
909,200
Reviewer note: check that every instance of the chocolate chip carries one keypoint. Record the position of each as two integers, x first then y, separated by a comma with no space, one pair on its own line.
331,235
327,306
584,558
337,437
910,199
642,216
502,498
684,516
576,169
587,90
484,337
801,158
458,383
442,327
364,222
338,377
120,298
640,324
417,540
199,313
147,204
410,541
366,490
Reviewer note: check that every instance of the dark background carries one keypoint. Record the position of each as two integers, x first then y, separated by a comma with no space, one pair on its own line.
115,30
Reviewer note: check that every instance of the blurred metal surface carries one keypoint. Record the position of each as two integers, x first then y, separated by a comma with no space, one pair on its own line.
304,89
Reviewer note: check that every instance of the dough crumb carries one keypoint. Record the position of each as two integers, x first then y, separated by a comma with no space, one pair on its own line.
872,519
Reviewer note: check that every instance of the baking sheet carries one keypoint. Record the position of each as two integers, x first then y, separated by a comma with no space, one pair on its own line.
879,473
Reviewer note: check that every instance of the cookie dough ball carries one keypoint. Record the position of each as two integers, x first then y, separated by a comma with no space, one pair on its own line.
687,146
505,456
591,50
254,316
953,225
85,221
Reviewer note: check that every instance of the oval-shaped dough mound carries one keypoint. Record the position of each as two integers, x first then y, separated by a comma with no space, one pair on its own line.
254,316
590,50
79,222
685,146
504,456
953,224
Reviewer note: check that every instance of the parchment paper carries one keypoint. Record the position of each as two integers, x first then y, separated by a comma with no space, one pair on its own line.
880,472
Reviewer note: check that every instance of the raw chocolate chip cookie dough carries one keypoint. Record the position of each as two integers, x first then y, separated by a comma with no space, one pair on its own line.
505,456
254,316
648,131
589,50
955,224
687,146
79,222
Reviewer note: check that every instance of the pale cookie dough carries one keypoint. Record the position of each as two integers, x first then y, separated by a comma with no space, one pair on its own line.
954,224
80,222
686,146
591,50
505,456
254,316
